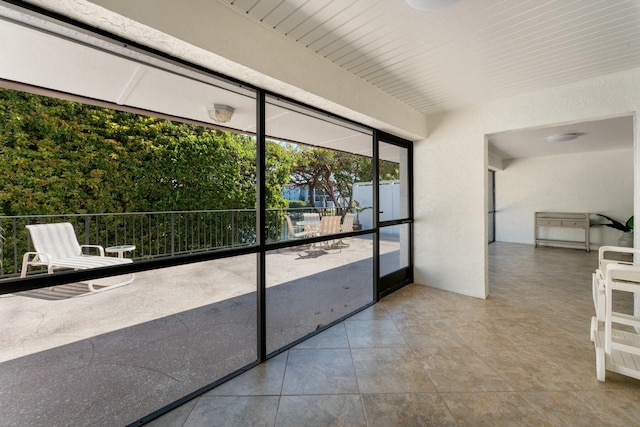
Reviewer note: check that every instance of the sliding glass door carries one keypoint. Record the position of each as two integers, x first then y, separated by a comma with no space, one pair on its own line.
317,270
251,222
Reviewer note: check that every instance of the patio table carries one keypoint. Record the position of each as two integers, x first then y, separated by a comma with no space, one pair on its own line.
310,226
120,249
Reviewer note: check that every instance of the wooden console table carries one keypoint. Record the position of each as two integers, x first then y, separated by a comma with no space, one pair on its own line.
566,220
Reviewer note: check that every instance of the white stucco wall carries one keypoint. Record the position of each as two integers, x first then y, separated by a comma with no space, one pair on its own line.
451,178
596,182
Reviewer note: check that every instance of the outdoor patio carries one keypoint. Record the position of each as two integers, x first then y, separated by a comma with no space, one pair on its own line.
118,355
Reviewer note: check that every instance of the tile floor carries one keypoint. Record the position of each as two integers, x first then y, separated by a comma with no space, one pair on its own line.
427,357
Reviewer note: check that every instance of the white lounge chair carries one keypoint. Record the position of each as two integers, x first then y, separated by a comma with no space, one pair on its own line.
57,247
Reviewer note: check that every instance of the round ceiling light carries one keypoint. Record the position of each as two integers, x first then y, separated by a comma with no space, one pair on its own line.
563,137
430,4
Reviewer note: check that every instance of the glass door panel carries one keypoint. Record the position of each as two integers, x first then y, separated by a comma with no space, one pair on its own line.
318,170
394,213
393,171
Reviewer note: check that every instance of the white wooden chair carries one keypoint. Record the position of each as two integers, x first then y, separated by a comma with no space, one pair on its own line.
607,256
617,346
57,247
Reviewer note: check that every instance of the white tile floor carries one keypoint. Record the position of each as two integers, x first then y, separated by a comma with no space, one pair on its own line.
427,357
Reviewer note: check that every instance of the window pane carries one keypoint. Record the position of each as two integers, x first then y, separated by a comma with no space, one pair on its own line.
164,187
394,248
394,182
115,356
310,286
316,166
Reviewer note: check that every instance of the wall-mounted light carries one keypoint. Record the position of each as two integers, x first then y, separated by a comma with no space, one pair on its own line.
563,137
220,113
430,4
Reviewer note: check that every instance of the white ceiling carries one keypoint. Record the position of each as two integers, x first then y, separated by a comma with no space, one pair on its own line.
607,134
473,51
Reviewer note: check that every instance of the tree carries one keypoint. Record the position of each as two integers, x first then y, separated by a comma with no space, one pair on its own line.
335,172
66,157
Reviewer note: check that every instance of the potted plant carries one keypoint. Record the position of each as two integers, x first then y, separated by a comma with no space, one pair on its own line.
626,240
356,207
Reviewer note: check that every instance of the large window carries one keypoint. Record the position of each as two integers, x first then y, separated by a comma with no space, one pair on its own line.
166,187
313,284
177,174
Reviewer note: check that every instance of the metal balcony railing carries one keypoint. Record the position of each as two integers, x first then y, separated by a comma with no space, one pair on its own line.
155,234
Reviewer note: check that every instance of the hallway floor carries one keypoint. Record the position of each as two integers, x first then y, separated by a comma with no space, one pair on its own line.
428,357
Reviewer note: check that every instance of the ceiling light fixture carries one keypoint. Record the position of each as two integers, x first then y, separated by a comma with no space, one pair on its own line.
220,113
563,137
430,4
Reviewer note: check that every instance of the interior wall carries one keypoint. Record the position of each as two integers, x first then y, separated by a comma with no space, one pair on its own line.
451,164
595,182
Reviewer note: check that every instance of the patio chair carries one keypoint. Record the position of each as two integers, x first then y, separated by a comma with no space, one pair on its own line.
618,346
347,222
57,247
311,217
607,256
293,232
330,225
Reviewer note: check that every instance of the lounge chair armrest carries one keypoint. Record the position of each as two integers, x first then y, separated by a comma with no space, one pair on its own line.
98,247
43,258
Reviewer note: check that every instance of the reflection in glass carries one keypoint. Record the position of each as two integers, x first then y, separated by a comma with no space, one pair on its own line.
316,166
118,355
310,286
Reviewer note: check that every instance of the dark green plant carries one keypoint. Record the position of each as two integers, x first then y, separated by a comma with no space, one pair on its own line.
626,227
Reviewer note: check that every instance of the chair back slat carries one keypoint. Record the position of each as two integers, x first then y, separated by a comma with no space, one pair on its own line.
330,225
347,222
58,240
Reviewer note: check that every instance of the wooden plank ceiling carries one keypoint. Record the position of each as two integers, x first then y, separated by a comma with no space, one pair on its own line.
473,51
